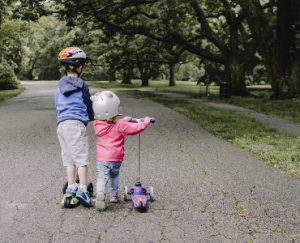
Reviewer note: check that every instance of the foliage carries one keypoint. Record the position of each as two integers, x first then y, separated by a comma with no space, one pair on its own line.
230,38
11,34
8,79
44,41
211,30
190,72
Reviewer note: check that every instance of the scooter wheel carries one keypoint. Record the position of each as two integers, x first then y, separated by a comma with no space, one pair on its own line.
65,186
71,202
141,209
125,195
151,193
90,188
67,202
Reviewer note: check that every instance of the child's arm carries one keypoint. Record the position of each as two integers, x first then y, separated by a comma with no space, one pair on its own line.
87,101
130,128
127,118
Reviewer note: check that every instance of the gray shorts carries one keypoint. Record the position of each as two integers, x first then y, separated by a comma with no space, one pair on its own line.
72,136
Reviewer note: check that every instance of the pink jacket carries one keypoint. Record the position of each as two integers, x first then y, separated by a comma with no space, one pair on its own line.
110,141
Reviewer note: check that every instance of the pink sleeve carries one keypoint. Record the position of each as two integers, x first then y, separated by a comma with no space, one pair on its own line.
96,128
130,128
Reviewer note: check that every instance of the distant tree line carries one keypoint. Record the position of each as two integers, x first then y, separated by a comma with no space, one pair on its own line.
229,39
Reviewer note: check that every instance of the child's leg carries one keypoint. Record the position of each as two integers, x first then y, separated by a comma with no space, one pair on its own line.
77,147
102,176
103,169
114,178
82,194
71,174
82,173
62,134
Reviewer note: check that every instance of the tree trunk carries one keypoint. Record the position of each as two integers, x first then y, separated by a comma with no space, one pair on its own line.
172,74
282,60
270,61
112,75
145,81
235,78
145,73
30,71
127,76
291,43
29,74
234,69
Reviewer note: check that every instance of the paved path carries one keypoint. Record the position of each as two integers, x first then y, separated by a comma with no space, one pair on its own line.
281,125
206,189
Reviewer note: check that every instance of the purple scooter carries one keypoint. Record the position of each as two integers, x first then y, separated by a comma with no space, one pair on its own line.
138,192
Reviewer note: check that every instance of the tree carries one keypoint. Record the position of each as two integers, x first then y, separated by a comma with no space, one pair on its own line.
287,48
45,39
275,27
11,36
233,35
207,29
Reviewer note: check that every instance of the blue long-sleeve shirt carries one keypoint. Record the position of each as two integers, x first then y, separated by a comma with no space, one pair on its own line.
72,100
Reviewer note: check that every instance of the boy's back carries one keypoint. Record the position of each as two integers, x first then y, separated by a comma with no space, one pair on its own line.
72,100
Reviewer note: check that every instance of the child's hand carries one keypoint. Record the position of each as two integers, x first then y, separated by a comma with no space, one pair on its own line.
147,119
127,118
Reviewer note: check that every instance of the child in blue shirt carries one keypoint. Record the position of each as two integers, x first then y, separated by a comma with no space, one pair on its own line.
74,111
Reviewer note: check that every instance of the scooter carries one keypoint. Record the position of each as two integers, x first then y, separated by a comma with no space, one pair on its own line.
138,194
72,202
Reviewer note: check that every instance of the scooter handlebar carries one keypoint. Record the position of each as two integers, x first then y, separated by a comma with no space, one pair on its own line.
142,120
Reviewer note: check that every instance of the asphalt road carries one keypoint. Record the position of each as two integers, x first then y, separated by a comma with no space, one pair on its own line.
206,189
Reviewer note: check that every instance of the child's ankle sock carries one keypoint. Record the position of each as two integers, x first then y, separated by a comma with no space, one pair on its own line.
83,188
73,186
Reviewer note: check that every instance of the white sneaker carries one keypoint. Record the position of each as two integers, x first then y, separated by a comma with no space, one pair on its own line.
100,202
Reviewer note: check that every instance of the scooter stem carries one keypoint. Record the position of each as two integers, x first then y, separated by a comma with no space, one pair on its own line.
139,161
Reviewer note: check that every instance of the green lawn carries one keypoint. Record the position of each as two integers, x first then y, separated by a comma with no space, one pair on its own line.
188,88
285,109
279,150
6,94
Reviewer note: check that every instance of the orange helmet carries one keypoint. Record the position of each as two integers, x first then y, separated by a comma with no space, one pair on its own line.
72,56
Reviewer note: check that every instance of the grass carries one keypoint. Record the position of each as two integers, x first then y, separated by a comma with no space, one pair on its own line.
279,150
182,87
7,94
285,109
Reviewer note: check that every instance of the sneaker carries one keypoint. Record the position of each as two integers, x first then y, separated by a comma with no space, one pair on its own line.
71,192
100,201
114,199
84,198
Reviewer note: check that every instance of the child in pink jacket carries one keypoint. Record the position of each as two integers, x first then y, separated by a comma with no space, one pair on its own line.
110,142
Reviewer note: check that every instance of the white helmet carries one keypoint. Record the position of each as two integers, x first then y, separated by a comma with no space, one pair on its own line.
105,105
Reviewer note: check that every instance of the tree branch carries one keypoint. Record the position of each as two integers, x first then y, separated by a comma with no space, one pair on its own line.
207,31
126,4
196,49
270,4
174,38
149,16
